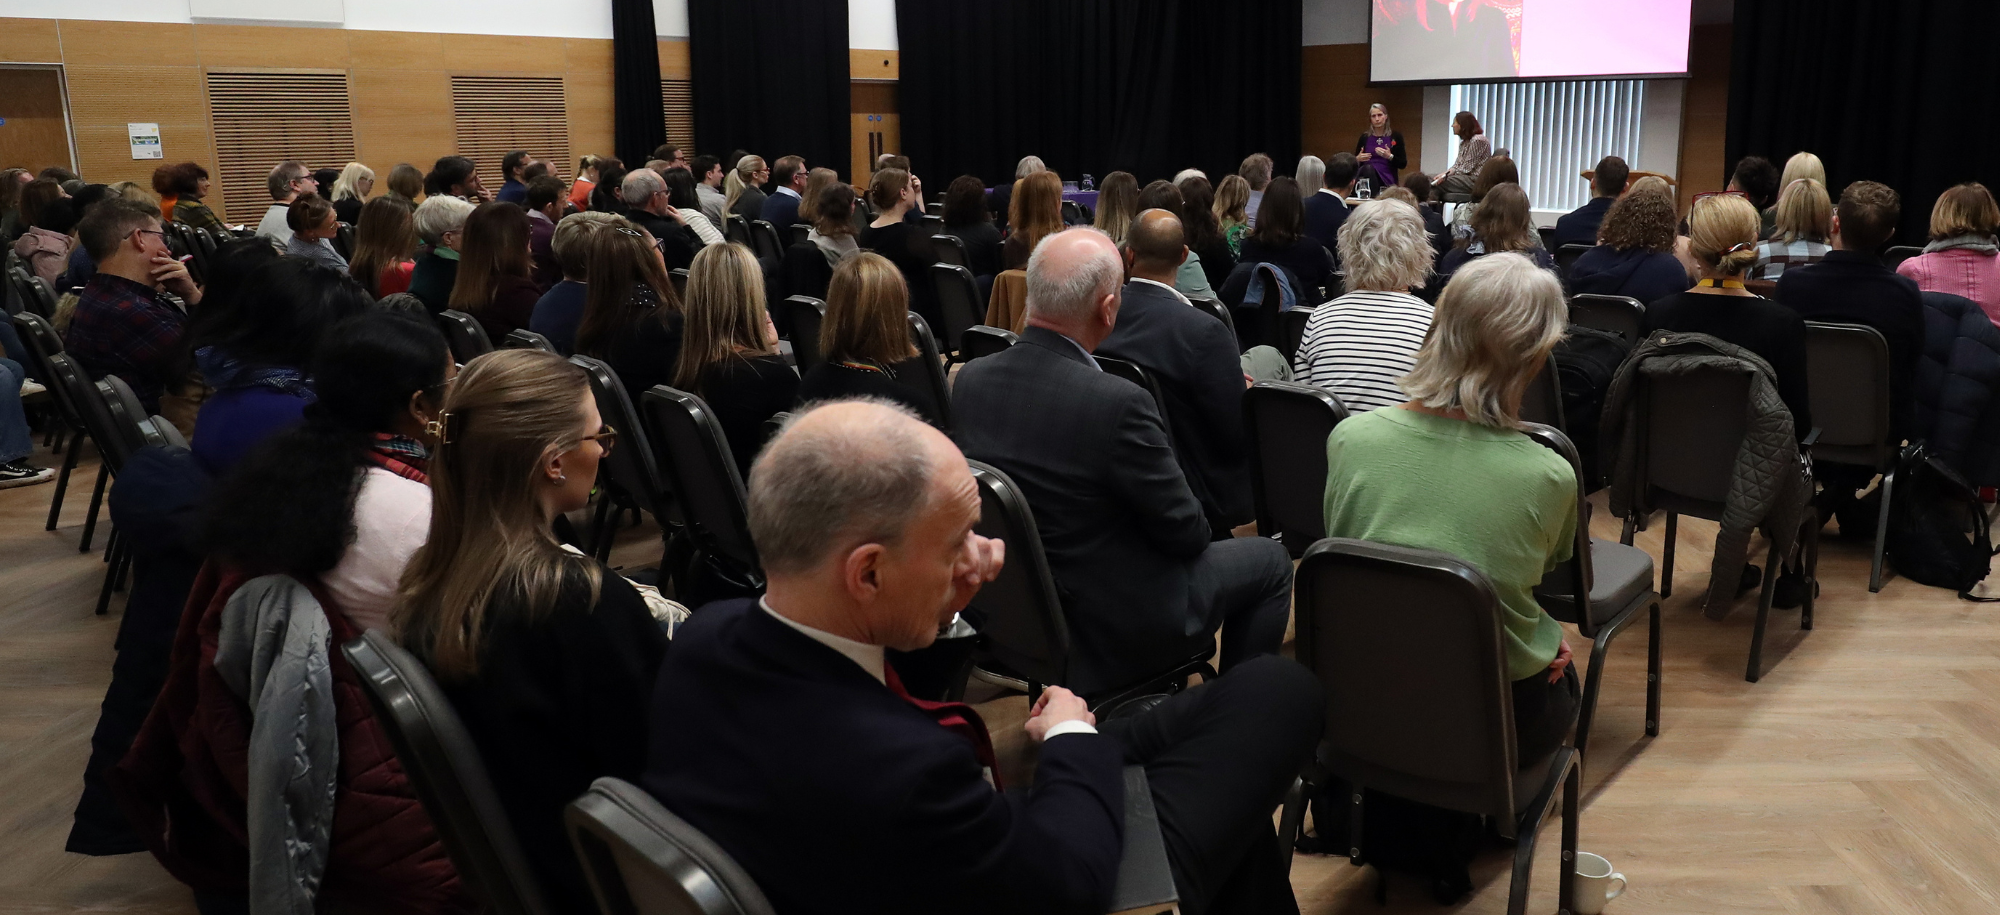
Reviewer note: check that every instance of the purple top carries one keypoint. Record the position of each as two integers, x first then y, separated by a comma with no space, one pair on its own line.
1382,166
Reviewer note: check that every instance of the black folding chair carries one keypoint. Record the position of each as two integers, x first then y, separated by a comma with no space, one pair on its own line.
343,240
404,302
448,774
1542,402
1137,374
642,860
933,364
37,296
1294,332
1547,234
1219,310
950,249
42,342
1566,257
633,476
1288,428
1894,257
694,459
764,240
526,339
1619,314
805,314
95,421
131,429
797,233
736,229
958,302
679,277
1847,377
468,340
1021,615
981,340
1445,739
1072,213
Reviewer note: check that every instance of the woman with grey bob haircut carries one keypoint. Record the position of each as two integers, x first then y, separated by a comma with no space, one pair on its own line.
1360,344
1493,330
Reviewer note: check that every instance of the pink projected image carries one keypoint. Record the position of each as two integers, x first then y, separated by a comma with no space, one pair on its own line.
1446,40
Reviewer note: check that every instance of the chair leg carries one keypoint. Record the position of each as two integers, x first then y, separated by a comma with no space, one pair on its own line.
96,500
110,582
1291,818
123,563
1355,816
600,529
1763,615
1598,649
1625,535
1653,672
1881,531
62,485
1667,566
1809,562
1565,892
110,544
1524,863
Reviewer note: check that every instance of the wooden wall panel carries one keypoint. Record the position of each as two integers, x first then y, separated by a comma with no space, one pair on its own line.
367,51
35,136
102,100
266,48
1705,113
30,41
863,63
1334,101
400,116
503,54
591,115
674,60
142,45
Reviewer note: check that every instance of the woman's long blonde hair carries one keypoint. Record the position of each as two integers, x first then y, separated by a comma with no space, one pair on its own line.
1493,329
1117,203
725,313
1232,202
1035,210
867,312
350,176
1803,165
738,180
491,549
1805,212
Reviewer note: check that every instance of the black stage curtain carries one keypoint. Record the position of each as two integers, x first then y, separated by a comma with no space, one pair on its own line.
1893,92
1095,86
639,121
771,77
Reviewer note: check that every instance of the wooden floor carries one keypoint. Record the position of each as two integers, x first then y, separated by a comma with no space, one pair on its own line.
1861,775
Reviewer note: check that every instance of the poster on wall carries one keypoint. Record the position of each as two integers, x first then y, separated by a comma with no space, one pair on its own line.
145,141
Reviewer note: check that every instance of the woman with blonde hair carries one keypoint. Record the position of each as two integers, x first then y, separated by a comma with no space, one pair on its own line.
1034,213
1361,344
351,190
1380,150
1448,469
1232,211
1804,223
743,189
1962,258
406,184
1117,203
632,317
729,350
1634,255
1501,224
1803,165
548,657
865,341
133,190
1722,241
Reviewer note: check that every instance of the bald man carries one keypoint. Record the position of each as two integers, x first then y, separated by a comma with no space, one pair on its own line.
1194,356
1128,541
783,733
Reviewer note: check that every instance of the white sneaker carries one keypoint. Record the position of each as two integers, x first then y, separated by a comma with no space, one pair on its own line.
30,388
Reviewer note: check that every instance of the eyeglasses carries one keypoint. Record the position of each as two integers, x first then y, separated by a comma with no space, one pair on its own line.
160,233
605,438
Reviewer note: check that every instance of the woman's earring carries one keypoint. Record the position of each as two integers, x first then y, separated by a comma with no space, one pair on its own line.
561,479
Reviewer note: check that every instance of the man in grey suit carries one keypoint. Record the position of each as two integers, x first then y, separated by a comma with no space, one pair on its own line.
1142,585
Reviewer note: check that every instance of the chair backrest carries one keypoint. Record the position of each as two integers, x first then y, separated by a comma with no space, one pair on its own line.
631,468
205,243
695,460
42,297
774,425
958,302
129,421
1072,212
1137,374
1293,333
679,277
1847,375
468,340
92,414
1894,257
168,434
1548,237
931,223
1567,255
1692,425
1542,402
1619,314
804,314
642,860
933,364
950,249
1582,576
343,240
737,229
1216,308
981,340
1445,738
796,233
450,777
527,339
1288,427
41,341
1023,623
764,239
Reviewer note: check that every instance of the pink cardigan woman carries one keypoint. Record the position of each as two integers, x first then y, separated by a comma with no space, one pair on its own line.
1963,257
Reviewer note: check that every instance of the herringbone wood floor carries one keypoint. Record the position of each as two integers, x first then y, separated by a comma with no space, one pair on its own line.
1861,775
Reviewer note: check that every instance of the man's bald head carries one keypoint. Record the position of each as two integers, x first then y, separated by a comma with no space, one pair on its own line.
1070,273
1156,241
840,475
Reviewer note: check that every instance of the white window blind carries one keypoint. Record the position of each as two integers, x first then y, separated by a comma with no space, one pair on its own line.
1556,130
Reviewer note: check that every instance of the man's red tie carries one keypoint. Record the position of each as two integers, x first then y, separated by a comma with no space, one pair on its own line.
956,717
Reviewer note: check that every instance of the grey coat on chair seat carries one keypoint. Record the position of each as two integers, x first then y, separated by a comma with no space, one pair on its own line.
1766,487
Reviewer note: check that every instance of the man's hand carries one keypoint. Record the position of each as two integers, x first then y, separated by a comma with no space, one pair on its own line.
979,563
1562,660
171,274
1056,706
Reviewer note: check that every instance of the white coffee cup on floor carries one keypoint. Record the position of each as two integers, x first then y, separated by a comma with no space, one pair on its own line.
1593,884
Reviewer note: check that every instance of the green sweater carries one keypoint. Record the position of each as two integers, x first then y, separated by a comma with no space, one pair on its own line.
1491,497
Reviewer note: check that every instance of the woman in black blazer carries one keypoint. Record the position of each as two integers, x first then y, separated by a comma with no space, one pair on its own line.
1381,150
729,349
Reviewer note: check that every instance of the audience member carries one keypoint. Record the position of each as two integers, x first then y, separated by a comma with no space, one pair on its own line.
38,194
648,206
1191,278
1757,178
1579,226
226,301
1800,165
325,177
967,219
289,181
1498,170
406,184
1501,223
385,241
1961,257
189,183
729,354
163,187
1800,234
513,187
833,224
1204,233
44,248
313,224
682,196
1326,187
559,310
1232,201
585,181
133,190
708,186
1723,241
788,184
863,518
124,323
1635,253
456,176
631,317
1195,358
1000,200
351,190
1473,150
1126,539
1419,186
17,440
1852,286
1278,237
1034,213
865,340
544,205
342,498
1117,203
1362,344
548,657
675,158
1449,470
493,281
12,180
1256,173
816,181
896,193
604,198
1380,154
744,195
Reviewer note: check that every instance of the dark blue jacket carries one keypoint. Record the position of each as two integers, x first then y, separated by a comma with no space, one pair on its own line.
838,796
1636,272
1579,226
1325,214
1849,287
558,313
782,210
1958,387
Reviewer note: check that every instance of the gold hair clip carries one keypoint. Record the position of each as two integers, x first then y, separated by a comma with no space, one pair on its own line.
445,428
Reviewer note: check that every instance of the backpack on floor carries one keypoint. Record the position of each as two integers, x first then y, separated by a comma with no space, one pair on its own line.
1938,527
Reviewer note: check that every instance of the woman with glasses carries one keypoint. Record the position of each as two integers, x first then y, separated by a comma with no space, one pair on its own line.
548,657
632,319
729,352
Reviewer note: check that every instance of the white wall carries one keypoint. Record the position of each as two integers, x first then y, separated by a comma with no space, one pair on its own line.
1335,21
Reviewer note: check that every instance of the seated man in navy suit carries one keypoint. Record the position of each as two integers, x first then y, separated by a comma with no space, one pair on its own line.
1579,226
1326,207
788,183
786,737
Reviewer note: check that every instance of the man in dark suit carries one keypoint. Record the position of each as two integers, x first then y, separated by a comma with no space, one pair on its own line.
645,196
1579,226
784,733
788,187
1326,208
1143,587
1194,357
